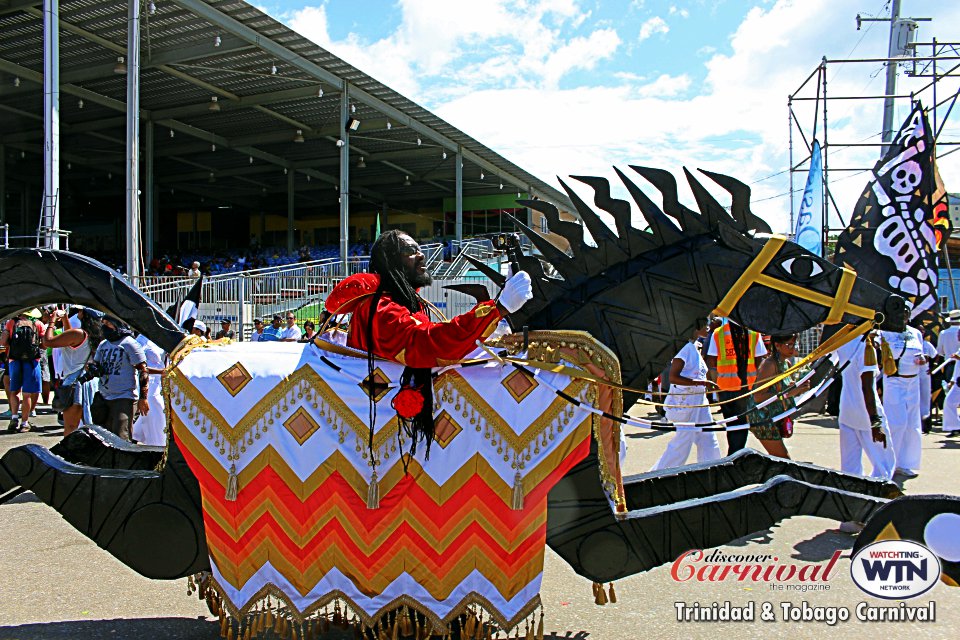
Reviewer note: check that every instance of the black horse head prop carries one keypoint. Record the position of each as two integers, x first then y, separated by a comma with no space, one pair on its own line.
33,277
641,292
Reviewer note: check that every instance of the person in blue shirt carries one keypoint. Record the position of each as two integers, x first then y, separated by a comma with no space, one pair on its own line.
272,333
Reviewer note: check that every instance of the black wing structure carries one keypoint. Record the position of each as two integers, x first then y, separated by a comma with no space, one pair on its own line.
107,488
694,507
32,277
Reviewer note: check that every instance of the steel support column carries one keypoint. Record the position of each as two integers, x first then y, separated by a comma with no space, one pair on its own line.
3,184
290,211
149,195
458,189
133,141
344,177
50,215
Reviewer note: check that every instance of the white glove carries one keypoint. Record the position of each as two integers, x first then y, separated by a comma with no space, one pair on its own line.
516,291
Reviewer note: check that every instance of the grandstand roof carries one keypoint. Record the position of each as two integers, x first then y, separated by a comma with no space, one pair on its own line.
195,50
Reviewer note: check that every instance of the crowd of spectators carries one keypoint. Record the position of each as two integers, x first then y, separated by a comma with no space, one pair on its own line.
209,263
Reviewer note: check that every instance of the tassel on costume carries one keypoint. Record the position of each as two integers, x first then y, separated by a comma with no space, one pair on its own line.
540,627
613,595
518,496
599,595
373,492
886,356
232,482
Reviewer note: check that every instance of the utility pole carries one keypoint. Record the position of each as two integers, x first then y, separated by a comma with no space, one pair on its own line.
891,86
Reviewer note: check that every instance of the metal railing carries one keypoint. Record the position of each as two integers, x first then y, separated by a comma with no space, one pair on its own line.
478,248
261,293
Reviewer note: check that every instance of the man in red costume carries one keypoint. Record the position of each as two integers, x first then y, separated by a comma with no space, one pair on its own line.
400,329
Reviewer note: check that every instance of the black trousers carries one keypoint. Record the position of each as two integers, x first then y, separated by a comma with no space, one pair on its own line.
736,440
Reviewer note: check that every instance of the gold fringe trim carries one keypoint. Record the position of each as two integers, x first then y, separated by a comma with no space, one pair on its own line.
270,611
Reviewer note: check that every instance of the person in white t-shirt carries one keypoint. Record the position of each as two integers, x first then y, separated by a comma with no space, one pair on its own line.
951,423
948,342
291,333
863,428
688,389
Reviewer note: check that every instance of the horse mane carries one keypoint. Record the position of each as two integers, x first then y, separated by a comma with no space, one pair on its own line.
671,225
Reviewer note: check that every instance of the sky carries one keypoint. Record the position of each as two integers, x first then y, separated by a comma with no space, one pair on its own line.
574,87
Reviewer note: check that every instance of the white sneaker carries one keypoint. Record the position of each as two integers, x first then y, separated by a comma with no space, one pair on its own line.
33,414
851,526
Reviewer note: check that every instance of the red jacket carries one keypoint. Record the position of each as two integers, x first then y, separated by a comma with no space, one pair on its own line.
409,338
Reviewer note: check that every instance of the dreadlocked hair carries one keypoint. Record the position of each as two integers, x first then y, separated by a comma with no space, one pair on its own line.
386,261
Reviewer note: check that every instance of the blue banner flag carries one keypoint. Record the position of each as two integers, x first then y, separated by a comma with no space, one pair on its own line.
809,232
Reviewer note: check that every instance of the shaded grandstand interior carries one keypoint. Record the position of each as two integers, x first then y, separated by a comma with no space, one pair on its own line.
240,123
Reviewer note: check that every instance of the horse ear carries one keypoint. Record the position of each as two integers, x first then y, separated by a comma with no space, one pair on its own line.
733,239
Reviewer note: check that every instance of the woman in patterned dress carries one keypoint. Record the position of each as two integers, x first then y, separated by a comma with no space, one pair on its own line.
762,425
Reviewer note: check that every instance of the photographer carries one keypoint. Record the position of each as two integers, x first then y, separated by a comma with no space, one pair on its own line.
74,346
121,365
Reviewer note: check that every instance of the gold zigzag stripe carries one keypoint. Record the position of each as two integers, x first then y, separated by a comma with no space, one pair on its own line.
234,434
368,541
263,407
438,580
475,465
536,428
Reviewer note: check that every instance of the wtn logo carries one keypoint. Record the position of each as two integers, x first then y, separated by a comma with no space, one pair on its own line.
903,570
895,569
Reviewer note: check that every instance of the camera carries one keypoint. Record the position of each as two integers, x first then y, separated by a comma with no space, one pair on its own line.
506,241
93,370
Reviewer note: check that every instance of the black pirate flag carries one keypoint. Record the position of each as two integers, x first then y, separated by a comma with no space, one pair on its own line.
901,221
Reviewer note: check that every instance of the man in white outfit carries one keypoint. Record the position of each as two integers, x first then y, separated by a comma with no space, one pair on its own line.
901,396
150,428
949,340
948,344
687,402
863,429
951,402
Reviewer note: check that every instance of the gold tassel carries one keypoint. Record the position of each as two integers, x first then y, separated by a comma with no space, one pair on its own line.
529,635
268,620
223,627
395,633
518,492
293,632
230,632
469,627
889,362
613,595
599,595
540,627
373,492
232,482
406,627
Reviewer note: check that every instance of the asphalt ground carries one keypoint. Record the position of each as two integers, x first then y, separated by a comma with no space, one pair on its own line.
55,583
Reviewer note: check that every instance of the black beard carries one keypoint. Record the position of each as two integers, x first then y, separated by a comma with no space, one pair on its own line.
417,280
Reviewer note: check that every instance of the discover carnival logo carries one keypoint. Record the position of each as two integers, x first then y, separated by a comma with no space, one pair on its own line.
895,569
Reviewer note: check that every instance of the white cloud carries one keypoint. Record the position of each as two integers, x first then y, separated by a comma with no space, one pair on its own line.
665,86
653,26
516,42
495,72
678,11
